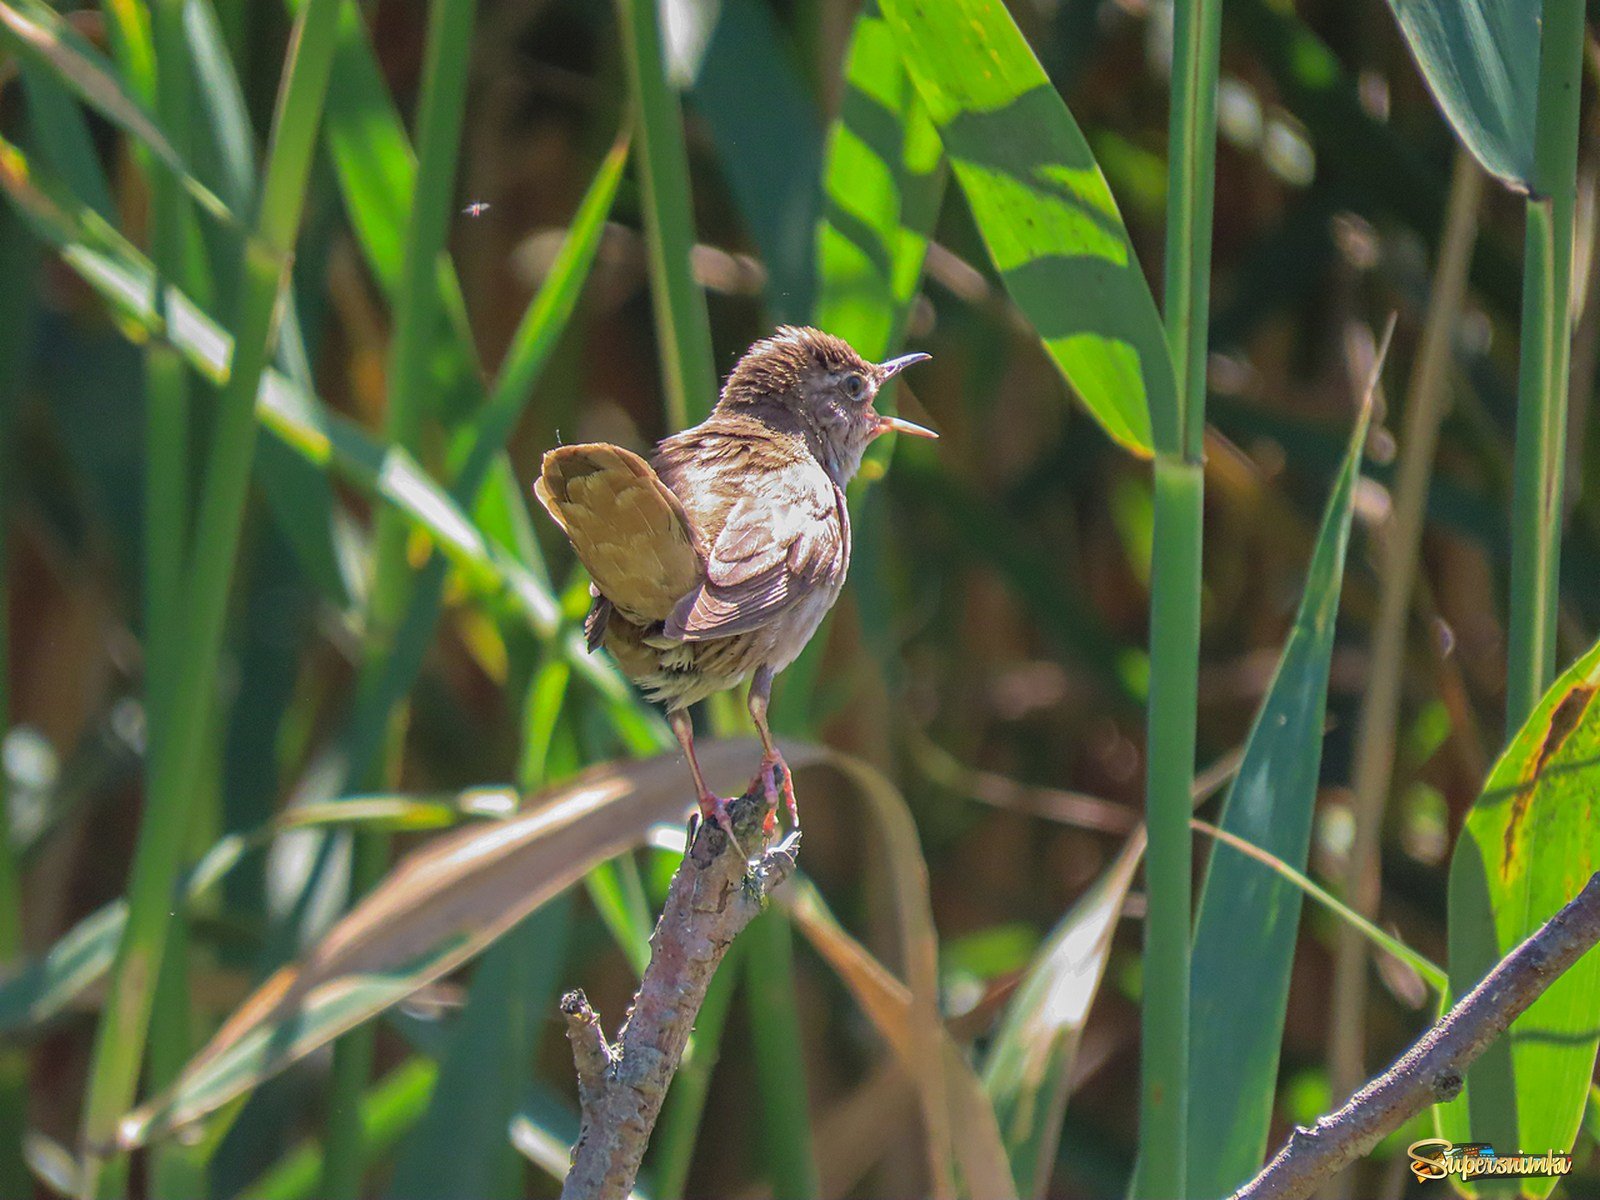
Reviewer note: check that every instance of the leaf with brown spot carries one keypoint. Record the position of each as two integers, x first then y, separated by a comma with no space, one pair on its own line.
1527,847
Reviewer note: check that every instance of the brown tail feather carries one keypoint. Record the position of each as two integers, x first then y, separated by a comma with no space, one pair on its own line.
629,531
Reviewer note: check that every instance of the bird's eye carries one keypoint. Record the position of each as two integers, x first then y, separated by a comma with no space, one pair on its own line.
854,385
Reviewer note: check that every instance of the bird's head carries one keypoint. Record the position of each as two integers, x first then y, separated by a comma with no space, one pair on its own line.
829,388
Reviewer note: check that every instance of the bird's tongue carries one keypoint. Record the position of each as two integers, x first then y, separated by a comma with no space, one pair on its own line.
897,425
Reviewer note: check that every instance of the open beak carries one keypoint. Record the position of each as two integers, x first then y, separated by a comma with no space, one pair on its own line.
895,424
895,365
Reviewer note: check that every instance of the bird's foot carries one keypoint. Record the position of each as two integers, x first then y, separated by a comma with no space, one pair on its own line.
772,768
714,809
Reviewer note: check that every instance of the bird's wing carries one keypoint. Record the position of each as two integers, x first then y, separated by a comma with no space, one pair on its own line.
773,551
631,533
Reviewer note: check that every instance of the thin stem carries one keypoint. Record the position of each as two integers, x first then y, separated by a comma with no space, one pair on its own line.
687,368
166,538
442,103
1175,586
1400,543
1174,690
1191,175
120,1042
1546,352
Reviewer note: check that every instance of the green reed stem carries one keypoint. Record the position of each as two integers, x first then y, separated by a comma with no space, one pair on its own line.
688,371
168,422
442,103
120,1041
1175,588
1546,354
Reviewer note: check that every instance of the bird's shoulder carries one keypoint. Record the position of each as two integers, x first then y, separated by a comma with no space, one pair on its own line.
734,462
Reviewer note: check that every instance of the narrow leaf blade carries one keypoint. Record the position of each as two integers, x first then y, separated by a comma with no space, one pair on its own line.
1249,916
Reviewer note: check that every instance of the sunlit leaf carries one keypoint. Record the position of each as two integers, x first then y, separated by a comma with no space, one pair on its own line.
1044,210
883,181
43,35
1528,846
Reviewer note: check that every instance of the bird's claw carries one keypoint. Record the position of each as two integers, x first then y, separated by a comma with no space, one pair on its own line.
714,809
771,766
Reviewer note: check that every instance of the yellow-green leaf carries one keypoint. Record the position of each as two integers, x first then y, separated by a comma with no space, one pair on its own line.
1044,210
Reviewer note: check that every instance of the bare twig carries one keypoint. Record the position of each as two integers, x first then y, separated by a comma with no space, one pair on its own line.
1433,1069
713,896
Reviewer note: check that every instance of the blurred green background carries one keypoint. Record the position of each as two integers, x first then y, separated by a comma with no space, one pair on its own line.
988,656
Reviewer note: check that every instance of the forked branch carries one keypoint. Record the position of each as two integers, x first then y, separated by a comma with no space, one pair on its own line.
1433,1069
621,1087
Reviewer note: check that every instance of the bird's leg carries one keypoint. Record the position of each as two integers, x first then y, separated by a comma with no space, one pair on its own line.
771,760
713,807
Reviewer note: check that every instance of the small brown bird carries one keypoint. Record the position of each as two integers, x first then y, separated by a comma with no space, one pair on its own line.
716,561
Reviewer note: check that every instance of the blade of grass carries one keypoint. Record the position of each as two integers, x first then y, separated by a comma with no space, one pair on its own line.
1427,399
687,370
1546,350
887,1003
119,1047
1432,974
779,1058
35,29
909,890
62,138
166,536
1247,920
1481,61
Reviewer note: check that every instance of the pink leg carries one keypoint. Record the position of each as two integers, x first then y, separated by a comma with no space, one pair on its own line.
713,808
771,760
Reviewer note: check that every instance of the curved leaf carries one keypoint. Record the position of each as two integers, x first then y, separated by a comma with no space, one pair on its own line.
1044,210
441,906
1481,61
1528,846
